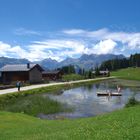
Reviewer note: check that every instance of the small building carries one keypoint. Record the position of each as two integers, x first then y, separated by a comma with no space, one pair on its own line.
31,73
102,72
52,75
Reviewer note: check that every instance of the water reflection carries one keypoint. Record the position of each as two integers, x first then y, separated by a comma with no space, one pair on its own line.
86,103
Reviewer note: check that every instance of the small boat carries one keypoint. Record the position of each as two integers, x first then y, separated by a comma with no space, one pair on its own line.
108,94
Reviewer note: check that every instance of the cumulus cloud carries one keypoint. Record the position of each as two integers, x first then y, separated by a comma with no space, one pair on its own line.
73,43
103,47
3,48
59,49
9,51
132,40
55,49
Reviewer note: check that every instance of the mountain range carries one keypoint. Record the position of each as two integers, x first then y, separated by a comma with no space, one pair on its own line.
85,61
6,60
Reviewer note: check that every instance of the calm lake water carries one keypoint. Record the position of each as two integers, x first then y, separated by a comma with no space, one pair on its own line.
86,103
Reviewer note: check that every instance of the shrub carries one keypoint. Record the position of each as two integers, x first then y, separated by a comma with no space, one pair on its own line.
131,102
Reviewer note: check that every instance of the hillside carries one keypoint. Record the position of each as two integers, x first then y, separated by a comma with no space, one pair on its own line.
128,73
119,125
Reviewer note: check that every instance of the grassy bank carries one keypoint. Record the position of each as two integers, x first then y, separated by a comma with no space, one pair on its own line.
129,73
32,105
72,77
118,125
26,103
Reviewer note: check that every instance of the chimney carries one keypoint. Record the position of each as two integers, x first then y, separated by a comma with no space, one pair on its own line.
28,65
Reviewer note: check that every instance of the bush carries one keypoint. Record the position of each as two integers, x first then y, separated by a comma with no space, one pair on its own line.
131,102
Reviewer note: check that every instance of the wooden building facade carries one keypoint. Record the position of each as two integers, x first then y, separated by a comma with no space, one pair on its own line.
31,73
52,75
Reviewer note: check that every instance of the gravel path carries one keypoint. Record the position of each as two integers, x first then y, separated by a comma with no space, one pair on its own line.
6,91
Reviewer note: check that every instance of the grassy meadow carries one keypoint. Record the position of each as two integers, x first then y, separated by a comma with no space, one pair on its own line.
123,124
128,73
72,77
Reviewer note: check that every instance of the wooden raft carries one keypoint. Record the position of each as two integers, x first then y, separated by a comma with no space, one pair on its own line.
108,94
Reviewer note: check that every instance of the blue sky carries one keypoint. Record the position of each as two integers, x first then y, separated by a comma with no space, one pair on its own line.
57,29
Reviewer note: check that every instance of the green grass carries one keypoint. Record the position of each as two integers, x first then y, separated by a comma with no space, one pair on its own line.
28,103
32,105
128,73
119,125
24,102
72,77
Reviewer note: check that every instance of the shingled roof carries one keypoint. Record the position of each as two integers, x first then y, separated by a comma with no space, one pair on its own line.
18,67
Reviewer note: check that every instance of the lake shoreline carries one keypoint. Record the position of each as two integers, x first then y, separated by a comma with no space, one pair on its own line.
6,99
38,87
97,127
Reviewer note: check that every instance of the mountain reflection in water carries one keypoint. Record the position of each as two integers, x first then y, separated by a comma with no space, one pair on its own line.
86,103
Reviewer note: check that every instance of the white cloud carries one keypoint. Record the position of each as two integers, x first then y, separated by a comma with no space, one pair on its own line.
97,35
17,51
59,44
132,40
58,49
3,48
9,51
103,47
55,49
74,31
23,31
75,43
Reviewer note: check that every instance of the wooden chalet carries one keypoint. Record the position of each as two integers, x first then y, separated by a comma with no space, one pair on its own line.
22,72
52,75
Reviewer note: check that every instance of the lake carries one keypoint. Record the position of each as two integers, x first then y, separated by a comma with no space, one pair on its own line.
86,103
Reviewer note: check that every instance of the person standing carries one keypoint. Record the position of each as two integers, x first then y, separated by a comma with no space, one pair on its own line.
18,84
118,89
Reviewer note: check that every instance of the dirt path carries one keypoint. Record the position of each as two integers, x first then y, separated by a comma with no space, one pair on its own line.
5,91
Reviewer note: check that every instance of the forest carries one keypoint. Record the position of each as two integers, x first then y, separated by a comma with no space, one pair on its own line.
115,64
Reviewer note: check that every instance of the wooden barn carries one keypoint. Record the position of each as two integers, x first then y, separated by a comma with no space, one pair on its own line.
22,72
52,75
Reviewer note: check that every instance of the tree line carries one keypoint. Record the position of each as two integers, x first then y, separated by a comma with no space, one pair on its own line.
67,69
111,65
70,69
114,64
